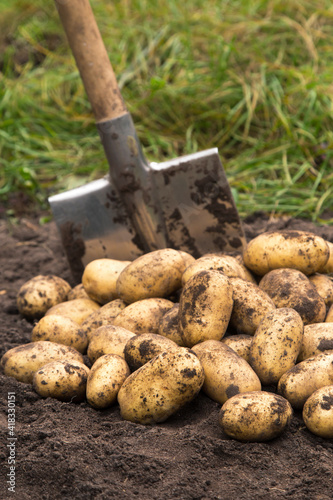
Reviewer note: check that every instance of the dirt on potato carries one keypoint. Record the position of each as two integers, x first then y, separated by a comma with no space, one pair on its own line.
67,450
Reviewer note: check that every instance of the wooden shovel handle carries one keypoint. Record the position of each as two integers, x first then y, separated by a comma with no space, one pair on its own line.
91,58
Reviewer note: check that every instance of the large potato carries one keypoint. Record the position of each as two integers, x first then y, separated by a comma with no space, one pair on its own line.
226,264
23,361
317,338
154,274
324,286
286,249
143,316
100,277
40,293
318,412
255,416
142,348
276,344
169,326
63,380
298,383
108,339
60,330
161,387
291,288
240,344
77,309
205,307
106,377
103,316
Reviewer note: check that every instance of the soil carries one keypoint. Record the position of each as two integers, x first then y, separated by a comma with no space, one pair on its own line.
67,450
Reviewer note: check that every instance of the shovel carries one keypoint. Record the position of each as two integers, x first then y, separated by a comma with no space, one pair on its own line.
184,203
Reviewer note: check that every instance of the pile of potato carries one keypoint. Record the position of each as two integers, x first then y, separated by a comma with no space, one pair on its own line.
152,333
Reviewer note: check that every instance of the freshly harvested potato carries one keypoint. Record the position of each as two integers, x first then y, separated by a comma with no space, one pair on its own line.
251,304
63,380
40,293
318,412
161,387
248,274
298,383
226,373
317,338
226,264
293,249
240,344
143,316
106,377
100,277
205,307
60,330
329,316
154,274
108,339
78,292
291,288
168,326
187,258
142,348
78,309
255,416
328,268
276,344
103,316
23,361
324,286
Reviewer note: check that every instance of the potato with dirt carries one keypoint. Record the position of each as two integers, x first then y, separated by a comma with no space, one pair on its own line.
143,316
318,412
169,327
317,338
60,330
108,339
77,309
100,277
241,344
105,315
324,286
142,348
226,264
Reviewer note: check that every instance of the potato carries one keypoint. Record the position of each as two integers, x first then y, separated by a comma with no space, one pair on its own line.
317,338
168,326
142,348
108,339
60,330
250,306
23,361
291,288
103,316
276,344
226,264
240,344
63,380
248,274
293,249
187,258
226,373
318,412
205,307
78,309
155,274
328,268
255,416
78,292
106,377
324,286
100,277
40,293
143,316
329,316
298,383
161,387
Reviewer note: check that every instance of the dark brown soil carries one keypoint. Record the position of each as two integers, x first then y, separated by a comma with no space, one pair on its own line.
66,450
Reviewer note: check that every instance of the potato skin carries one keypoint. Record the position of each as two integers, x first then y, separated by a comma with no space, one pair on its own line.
60,330
205,307
143,316
106,377
317,338
168,326
100,277
255,416
297,384
62,380
328,268
105,315
161,387
293,249
226,264
240,344
318,412
329,316
108,339
77,309
324,286
142,348
276,344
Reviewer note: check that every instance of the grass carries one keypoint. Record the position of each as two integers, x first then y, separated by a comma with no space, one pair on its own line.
253,78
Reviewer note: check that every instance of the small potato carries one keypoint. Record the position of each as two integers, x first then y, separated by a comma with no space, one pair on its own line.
205,307
324,286
106,377
63,380
61,330
276,344
23,361
168,326
154,274
318,412
78,309
293,249
291,288
226,373
142,348
255,416
226,264
103,316
40,293
108,339
161,387
317,338
240,344
298,383
328,268
143,316
100,277
78,292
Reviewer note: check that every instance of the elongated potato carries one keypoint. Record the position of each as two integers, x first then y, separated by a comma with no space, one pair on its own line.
226,373
240,344
226,264
317,338
205,307
77,309
318,412
102,316
100,277
255,416
142,348
161,387
60,330
143,316
169,326
108,339
324,286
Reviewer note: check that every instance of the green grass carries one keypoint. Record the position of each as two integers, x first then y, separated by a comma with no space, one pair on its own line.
253,78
